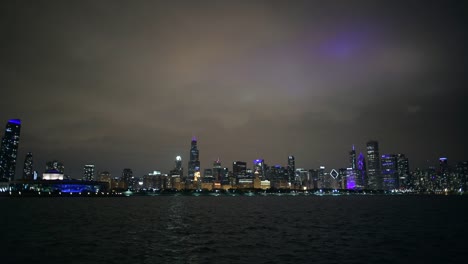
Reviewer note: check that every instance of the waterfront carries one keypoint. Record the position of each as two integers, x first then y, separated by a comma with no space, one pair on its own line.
270,229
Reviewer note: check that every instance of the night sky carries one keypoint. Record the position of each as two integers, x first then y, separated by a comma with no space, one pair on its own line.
128,83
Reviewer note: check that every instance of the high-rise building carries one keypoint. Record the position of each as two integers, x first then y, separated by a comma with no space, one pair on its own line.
178,165
55,165
88,172
28,173
194,162
291,168
404,174
352,159
259,168
208,176
9,150
443,174
373,166
239,169
389,172
217,170
127,177
462,176
322,180
361,178
176,174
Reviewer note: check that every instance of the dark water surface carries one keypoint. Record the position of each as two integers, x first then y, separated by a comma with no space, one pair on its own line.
181,229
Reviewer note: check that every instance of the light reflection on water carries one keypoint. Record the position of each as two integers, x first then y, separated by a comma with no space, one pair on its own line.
208,229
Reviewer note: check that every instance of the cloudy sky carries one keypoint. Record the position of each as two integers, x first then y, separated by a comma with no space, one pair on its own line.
128,83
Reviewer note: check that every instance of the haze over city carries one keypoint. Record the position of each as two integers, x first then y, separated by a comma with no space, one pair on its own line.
121,84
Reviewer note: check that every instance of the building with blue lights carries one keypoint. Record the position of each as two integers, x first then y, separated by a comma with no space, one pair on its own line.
9,150
389,170
259,168
361,180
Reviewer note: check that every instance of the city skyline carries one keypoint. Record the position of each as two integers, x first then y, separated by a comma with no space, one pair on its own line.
372,174
124,85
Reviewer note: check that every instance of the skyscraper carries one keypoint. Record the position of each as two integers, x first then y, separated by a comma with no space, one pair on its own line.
291,168
88,172
127,178
178,165
361,180
239,169
404,175
194,162
259,168
9,149
352,159
28,173
217,170
373,166
389,172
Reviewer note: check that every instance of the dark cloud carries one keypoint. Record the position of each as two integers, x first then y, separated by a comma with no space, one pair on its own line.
123,84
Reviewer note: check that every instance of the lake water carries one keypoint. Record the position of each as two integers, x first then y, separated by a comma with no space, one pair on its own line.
270,229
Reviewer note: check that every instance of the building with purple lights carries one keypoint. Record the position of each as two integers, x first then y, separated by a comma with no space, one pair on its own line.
194,161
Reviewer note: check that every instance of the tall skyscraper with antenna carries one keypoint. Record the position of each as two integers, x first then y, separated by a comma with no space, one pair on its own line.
194,161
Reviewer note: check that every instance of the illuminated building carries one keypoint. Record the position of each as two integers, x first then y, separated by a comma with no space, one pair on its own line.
155,181
106,177
352,159
315,179
404,175
443,175
127,178
373,166
194,162
343,178
389,172
462,176
350,178
239,169
208,176
9,150
322,181
259,168
217,170
28,173
302,178
88,172
361,181
51,175
178,165
176,174
55,165
291,168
